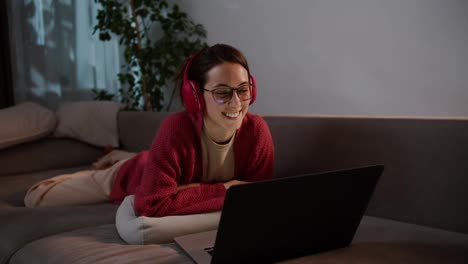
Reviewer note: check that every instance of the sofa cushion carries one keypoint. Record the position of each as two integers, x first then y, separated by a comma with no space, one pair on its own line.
376,229
5,204
25,122
47,154
102,244
390,253
93,122
99,244
19,226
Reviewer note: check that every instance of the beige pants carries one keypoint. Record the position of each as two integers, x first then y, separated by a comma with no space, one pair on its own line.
83,187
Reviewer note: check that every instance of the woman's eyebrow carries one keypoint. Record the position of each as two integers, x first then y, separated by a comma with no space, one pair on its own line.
225,85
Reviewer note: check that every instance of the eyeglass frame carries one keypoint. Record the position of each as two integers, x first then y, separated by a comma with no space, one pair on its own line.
231,93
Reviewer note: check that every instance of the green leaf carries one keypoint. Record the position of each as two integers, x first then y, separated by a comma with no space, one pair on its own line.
104,36
162,53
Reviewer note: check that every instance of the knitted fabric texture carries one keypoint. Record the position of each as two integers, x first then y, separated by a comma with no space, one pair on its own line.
175,158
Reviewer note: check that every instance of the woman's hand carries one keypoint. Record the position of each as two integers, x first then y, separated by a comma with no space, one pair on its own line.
232,183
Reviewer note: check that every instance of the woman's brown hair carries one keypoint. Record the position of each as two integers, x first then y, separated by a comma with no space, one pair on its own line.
208,58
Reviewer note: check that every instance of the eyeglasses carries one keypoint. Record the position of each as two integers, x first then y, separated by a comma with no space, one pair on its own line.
224,94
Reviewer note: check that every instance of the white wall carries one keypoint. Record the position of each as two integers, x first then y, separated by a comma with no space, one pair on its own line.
348,57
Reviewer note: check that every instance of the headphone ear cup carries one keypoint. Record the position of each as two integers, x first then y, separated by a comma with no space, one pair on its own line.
192,96
254,89
187,96
198,100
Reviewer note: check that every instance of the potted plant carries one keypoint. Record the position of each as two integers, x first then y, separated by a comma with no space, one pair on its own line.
156,38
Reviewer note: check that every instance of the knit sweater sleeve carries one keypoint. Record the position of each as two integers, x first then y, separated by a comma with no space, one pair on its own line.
171,162
259,165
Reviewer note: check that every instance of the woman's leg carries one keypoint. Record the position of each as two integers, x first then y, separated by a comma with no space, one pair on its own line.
83,187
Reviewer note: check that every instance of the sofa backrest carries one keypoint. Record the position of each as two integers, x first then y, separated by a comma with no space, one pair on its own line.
47,154
138,129
426,160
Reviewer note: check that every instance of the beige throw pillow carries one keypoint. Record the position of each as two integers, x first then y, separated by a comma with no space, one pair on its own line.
93,122
25,122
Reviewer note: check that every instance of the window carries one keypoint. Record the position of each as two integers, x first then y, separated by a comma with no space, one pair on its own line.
55,57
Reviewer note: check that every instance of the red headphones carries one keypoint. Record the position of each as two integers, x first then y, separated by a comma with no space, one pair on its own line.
193,96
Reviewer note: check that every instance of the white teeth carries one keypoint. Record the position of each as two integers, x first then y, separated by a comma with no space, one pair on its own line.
232,115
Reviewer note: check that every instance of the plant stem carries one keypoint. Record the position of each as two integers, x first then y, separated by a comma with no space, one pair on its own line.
146,102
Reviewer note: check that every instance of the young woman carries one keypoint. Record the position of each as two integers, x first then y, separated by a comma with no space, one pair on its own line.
196,155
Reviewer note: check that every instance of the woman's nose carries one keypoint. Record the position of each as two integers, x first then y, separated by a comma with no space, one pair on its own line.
235,100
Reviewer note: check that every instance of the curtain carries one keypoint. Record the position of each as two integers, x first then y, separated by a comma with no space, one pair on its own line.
6,86
56,57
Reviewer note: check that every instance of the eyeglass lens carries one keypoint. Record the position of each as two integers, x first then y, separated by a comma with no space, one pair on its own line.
224,94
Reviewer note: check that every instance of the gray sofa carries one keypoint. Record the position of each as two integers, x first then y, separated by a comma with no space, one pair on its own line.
418,214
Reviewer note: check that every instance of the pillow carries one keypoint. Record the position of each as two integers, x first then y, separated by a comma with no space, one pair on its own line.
25,122
142,230
93,122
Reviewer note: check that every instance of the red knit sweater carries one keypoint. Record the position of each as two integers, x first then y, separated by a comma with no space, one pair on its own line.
175,158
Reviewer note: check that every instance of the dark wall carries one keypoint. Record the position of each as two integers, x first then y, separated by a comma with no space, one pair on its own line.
6,84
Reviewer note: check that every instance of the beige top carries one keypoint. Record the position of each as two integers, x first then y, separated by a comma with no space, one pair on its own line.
218,159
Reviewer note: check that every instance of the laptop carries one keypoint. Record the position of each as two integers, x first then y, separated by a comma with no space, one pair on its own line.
285,218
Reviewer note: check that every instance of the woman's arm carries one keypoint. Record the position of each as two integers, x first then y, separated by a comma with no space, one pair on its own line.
260,162
171,164
172,161
226,184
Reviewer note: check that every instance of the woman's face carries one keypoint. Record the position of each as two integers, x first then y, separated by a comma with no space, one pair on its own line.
222,120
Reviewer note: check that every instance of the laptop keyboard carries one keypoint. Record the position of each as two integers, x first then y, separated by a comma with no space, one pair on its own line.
209,250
